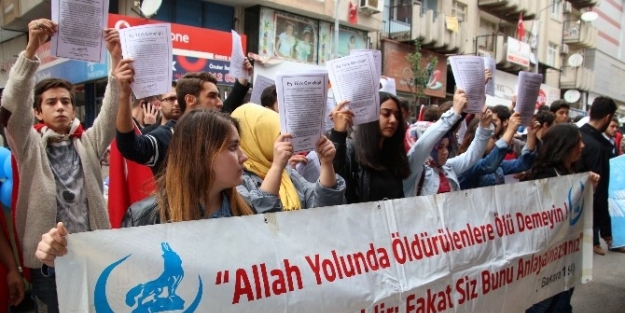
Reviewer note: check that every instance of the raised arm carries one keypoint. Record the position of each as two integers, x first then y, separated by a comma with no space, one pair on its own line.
495,157
424,145
240,89
17,102
103,130
528,154
342,119
465,161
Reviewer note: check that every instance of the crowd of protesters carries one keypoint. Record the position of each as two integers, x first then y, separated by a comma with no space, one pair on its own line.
196,156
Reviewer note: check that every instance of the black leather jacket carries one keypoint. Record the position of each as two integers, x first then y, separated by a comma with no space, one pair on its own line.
358,180
142,213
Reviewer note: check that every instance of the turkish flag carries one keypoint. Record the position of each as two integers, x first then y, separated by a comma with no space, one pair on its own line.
353,13
129,182
520,31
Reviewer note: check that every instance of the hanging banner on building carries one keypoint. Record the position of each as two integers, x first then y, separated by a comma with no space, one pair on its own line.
496,249
518,52
505,88
616,200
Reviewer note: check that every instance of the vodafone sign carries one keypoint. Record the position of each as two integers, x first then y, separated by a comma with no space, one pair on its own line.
195,39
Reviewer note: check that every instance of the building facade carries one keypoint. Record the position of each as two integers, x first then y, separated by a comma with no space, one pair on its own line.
201,37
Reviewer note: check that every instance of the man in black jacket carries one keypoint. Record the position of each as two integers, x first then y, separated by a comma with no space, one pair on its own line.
596,158
193,90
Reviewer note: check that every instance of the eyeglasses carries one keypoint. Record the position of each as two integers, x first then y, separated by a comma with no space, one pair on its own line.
170,99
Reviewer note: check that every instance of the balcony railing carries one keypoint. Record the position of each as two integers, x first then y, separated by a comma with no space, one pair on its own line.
577,78
407,22
496,46
577,33
584,3
509,10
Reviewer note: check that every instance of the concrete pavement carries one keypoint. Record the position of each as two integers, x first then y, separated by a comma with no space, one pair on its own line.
606,292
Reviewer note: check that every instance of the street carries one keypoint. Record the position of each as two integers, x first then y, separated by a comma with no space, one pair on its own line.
606,292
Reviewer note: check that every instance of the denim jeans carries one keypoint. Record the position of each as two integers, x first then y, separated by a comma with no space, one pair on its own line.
560,303
595,236
43,292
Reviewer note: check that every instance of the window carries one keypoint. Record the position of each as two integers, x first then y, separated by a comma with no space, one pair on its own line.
400,10
459,10
555,9
552,52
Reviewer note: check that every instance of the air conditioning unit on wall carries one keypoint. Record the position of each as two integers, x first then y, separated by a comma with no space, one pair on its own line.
564,49
567,7
369,7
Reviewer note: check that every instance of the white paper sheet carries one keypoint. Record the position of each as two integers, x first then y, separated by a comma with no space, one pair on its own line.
529,86
302,106
469,75
490,64
377,58
388,85
151,48
260,83
312,169
328,122
237,58
354,78
81,27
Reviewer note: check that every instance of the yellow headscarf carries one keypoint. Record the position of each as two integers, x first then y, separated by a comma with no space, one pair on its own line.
260,127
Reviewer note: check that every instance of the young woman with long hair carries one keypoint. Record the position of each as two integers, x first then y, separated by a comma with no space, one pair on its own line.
562,146
373,161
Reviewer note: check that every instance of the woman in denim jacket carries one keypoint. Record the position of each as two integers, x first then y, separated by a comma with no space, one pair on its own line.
432,171
491,170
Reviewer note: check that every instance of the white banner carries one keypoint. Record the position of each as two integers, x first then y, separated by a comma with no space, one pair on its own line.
496,249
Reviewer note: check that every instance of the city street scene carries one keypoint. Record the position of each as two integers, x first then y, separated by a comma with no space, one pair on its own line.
365,156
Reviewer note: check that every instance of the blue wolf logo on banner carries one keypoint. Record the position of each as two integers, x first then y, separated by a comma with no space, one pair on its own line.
158,295
575,211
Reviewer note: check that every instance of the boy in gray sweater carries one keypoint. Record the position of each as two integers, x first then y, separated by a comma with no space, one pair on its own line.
58,162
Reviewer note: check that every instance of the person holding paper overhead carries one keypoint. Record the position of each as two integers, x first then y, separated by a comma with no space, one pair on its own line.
373,161
193,90
59,162
432,171
268,183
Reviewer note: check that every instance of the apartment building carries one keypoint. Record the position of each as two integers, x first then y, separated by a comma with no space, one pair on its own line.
490,28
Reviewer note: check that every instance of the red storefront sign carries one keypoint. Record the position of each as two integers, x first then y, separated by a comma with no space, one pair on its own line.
216,44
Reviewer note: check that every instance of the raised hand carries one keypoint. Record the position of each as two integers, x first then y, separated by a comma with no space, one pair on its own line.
39,31
124,72
460,101
150,112
52,245
514,122
282,151
325,150
342,117
111,36
486,119
297,159
487,76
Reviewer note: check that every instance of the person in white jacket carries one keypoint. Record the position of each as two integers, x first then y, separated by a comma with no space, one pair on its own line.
431,170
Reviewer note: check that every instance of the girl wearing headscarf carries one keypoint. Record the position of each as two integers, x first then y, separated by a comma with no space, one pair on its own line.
432,171
268,183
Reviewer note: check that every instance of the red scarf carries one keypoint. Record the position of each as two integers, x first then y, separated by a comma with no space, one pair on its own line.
443,182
